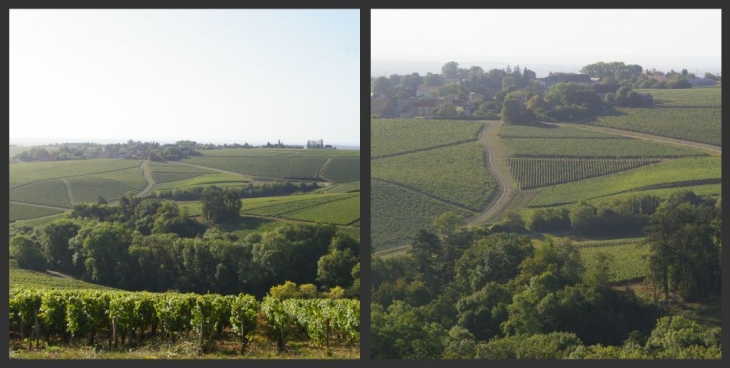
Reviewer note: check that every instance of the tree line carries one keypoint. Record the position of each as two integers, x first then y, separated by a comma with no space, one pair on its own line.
490,293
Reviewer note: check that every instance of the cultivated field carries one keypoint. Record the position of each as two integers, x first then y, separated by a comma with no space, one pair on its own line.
551,131
693,97
697,124
680,172
628,257
269,167
455,174
342,170
27,279
392,136
545,147
22,211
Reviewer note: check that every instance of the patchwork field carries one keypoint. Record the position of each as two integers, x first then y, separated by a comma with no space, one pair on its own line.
22,211
270,167
48,193
551,131
29,172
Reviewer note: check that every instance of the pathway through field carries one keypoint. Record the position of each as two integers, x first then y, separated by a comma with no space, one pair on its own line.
491,165
147,176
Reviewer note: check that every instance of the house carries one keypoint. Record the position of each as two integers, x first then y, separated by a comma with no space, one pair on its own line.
423,107
426,91
383,107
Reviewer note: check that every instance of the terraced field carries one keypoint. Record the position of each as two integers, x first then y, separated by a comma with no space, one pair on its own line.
398,213
681,172
455,174
392,136
697,124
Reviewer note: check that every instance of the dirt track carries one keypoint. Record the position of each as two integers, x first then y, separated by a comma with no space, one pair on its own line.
147,176
491,166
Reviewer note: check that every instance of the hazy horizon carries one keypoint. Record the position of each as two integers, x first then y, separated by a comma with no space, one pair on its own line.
208,75
545,40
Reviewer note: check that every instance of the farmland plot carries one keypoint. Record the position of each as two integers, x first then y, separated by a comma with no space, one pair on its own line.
48,192
542,147
392,136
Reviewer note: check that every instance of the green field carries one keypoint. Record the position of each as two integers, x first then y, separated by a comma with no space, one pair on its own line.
326,153
218,179
246,152
284,209
551,131
22,212
166,177
89,189
682,171
455,173
543,147
27,279
628,257
341,212
531,172
268,167
398,213
48,192
693,97
341,188
40,221
392,136
703,125
29,172
342,170
171,167
133,178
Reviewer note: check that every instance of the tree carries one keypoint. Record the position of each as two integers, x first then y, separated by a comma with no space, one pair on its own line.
450,69
447,223
220,205
381,85
27,252
446,109
54,244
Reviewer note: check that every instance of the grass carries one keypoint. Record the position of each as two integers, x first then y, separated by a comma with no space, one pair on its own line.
392,136
683,171
570,147
698,124
22,212
27,279
398,213
455,174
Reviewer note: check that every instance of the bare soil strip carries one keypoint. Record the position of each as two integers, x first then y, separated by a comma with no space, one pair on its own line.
490,165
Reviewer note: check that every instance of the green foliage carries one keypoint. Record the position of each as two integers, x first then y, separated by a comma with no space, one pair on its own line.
27,251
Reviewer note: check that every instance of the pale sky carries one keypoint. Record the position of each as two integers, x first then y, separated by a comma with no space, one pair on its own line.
213,76
659,38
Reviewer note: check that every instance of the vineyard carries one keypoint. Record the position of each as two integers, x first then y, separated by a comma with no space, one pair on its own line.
570,147
116,318
29,172
532,172
49,193
455,174
171,167
218,179
270,167
89,189
551,131
628,257
339,208
341,188
398,213
703,125
683,172
21,211
693,97
392,136
341,170
133,178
